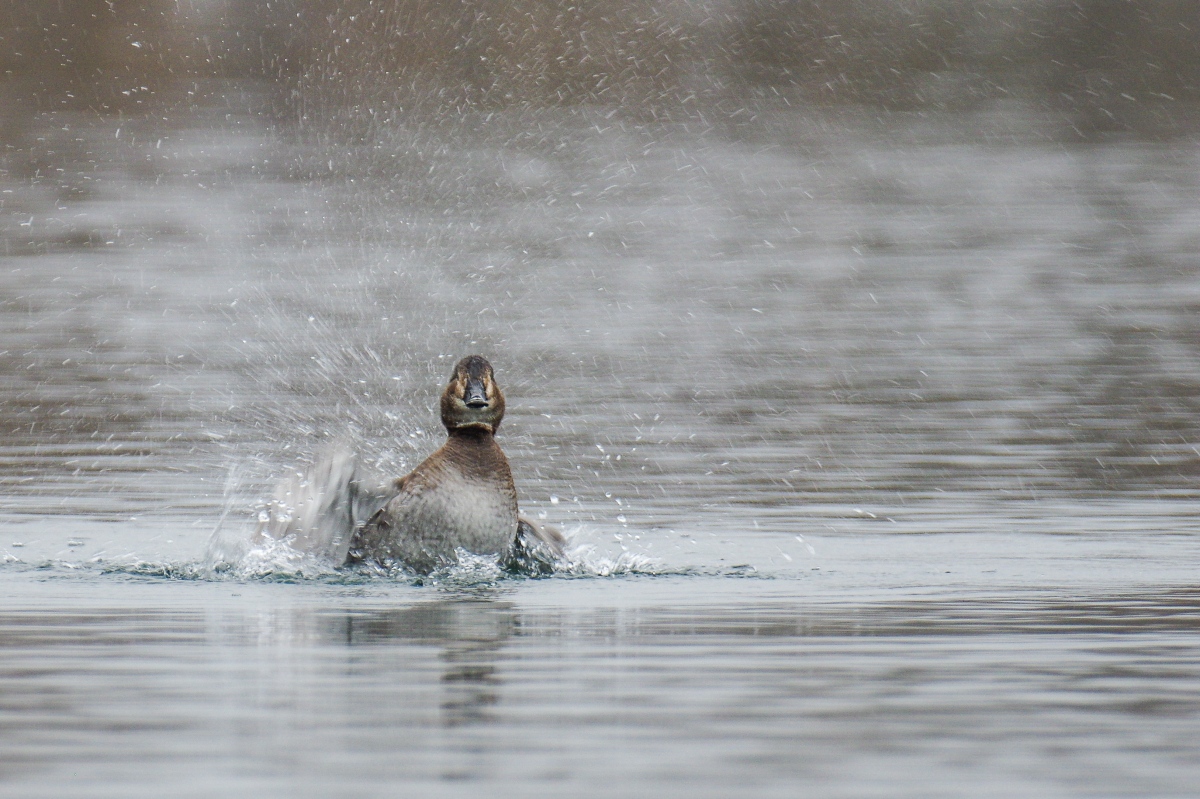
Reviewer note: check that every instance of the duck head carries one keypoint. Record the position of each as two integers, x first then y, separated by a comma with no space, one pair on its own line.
472,400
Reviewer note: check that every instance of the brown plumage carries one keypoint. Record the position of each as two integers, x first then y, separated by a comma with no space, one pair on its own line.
460,497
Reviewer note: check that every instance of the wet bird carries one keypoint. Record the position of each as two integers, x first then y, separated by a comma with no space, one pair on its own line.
460,498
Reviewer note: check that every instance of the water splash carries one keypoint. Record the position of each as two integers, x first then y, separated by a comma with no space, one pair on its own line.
248,554
585,560
269,558
264,559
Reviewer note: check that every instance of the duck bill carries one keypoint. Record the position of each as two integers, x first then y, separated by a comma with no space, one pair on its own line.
476,395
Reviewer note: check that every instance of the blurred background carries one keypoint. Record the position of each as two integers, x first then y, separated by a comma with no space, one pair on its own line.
760,258
1099,66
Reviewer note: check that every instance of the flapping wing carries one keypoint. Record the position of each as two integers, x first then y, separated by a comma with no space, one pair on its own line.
314,511
370,539
537,548
321,510
541,535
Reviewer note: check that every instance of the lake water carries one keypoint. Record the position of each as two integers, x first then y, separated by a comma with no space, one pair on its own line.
875,439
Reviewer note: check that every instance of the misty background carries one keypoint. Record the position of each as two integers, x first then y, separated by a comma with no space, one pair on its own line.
809,251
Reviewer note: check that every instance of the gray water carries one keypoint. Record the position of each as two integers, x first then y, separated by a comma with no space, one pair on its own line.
875,438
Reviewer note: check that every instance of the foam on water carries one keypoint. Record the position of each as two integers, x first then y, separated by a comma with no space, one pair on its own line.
299,533
251,556
277,562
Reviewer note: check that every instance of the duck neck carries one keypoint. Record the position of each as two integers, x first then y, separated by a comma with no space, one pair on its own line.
475,452
472,436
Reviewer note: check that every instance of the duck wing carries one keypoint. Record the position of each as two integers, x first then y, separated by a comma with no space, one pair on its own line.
535,534
313,511
537,548
370,496
371,537
319,510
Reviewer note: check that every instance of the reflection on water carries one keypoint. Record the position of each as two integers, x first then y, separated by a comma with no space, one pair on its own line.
470,635
703,698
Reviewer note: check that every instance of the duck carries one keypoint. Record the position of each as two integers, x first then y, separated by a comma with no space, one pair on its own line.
462,498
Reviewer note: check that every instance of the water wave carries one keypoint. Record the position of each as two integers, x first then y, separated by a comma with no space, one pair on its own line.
276,559
240,554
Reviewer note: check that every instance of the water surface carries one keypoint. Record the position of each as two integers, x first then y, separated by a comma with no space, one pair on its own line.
876,440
